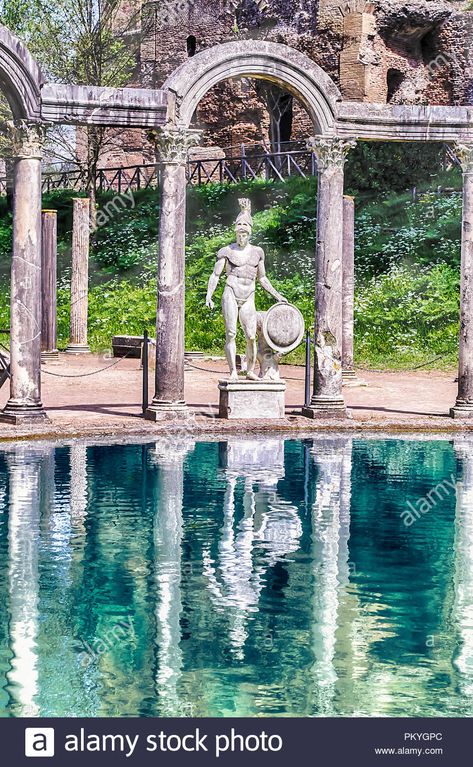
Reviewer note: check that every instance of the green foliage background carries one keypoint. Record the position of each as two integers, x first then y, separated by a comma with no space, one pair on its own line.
407,263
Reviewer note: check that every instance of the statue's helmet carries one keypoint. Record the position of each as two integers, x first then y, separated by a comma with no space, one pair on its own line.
244,219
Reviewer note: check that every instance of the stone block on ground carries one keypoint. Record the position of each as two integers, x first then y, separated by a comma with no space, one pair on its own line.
127,346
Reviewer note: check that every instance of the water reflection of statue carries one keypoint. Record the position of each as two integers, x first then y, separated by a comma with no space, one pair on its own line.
269,531
244,264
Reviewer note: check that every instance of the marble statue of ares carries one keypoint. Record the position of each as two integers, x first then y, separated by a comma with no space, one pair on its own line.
243,264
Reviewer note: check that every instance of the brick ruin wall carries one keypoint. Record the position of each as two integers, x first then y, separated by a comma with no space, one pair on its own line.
387,51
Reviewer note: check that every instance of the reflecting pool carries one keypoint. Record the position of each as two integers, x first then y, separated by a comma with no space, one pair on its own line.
316,577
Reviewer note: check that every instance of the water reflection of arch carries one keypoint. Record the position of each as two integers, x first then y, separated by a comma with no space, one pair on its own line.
269,530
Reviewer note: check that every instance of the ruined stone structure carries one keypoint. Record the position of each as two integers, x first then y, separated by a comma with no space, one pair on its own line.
336,125
385,51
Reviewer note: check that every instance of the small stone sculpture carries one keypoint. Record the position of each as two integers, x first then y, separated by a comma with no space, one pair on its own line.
329,362
244,264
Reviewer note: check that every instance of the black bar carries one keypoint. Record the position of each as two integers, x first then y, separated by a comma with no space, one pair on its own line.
307,370
145,371
315,362
262,742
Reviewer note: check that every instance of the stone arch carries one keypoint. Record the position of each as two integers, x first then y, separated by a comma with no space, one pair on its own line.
279,64
20,78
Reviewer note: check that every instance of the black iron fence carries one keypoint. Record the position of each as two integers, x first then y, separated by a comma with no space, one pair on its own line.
266,165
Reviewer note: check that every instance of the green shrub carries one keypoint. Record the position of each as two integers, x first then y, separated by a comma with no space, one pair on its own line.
408,316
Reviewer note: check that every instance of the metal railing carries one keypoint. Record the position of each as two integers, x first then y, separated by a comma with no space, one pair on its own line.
266,165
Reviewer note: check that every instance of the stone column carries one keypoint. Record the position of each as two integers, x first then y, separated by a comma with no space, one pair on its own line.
464,404
80,276
327,400
49,350
348,288
25,404
172,148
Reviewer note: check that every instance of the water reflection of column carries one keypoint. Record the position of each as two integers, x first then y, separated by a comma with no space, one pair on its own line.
330,533
79,490
167,546
63,543
463,604
24,466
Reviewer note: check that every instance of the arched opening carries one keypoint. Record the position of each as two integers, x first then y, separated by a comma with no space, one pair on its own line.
191,44
258,114
395,79
429,46
282,66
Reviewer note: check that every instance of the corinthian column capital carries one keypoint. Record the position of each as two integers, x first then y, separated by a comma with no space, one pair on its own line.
330,152
464,152
173,144
26,138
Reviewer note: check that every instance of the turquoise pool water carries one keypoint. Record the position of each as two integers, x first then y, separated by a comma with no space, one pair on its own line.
268,578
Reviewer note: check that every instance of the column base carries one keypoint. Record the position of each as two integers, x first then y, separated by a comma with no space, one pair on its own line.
350,380
160,410
18,415
326,407
78,349
50,356
462,410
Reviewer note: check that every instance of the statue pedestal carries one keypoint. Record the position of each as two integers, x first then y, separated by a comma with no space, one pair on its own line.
252,399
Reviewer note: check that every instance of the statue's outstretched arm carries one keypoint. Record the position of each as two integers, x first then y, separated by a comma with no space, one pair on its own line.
213,282
266,284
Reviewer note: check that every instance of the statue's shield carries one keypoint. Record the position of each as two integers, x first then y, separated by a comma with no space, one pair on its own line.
283,327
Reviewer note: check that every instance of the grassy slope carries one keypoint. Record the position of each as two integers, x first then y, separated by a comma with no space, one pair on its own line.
407,264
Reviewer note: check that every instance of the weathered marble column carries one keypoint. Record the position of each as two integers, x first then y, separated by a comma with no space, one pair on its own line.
49,350
348,288
172,148
80,276
464,404
25,404
327,400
